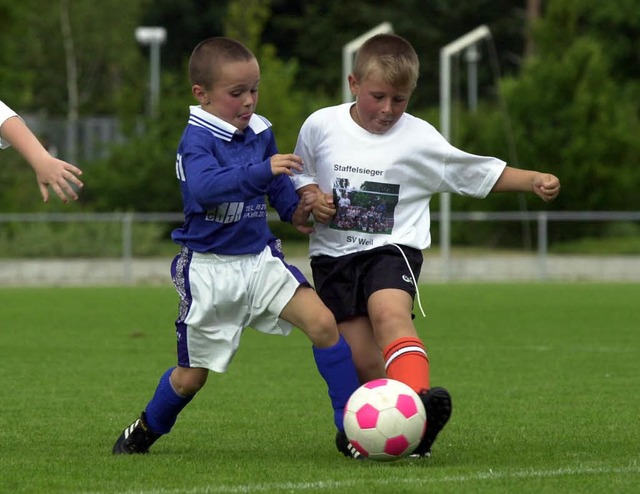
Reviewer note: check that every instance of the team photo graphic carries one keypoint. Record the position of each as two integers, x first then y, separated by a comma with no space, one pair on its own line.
368,208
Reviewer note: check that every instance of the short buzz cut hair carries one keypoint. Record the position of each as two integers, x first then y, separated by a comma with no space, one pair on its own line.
210,54
388,56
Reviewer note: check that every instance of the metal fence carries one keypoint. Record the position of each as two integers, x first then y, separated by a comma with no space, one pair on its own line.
446,270
542,218
92,139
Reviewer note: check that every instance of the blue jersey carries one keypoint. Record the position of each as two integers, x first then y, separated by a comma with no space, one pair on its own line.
225,175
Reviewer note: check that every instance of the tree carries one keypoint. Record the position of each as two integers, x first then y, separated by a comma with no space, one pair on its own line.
615,26
245,21
313,33
91,42
11,78
139,174
573,113
187,23
570,113
143,168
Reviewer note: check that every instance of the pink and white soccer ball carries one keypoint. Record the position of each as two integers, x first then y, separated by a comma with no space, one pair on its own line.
384,420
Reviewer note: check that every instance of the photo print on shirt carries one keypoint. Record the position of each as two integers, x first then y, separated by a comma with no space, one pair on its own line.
366,208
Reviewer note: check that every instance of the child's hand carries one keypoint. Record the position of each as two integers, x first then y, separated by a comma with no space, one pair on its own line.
324,209
302,213
57,174
546,186
308,200
284,163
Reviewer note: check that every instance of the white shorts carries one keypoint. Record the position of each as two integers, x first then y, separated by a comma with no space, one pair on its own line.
221,295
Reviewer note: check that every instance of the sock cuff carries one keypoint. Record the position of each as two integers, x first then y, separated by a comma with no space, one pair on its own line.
402,346
333,354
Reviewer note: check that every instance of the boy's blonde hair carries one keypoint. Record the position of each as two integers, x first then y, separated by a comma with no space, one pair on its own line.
388,56
210,54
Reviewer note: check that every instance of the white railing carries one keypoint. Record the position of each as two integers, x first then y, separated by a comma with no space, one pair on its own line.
541,218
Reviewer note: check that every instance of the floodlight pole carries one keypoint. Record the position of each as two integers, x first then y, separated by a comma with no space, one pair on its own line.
347,56
469,39
472,56
154,37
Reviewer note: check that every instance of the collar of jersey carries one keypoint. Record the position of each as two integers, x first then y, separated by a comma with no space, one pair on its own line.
220,128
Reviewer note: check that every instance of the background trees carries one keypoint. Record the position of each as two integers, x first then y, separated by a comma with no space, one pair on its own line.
568,106
572,108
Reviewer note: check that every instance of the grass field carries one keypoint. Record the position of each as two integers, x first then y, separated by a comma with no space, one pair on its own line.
545,380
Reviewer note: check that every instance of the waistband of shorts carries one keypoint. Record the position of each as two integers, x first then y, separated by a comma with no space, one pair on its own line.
210,257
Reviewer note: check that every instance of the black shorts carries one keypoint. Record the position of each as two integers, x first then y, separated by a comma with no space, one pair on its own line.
345,283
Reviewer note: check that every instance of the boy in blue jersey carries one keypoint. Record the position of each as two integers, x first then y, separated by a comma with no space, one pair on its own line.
231,273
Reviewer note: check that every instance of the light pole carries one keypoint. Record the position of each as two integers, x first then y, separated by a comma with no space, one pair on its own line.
154,37
469,39
472,56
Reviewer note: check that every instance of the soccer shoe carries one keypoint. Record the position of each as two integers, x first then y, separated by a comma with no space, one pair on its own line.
437,404
346,448
135,439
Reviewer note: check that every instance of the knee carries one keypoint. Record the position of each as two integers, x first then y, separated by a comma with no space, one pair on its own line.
387,316
322,329
188,381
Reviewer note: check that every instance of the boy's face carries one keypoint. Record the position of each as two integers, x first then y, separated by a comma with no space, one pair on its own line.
234,94
378,105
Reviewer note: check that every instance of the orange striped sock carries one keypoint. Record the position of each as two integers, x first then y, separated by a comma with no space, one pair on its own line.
406,361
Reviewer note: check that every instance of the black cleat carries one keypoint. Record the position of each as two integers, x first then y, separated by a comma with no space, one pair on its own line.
346,448
135,439
437,404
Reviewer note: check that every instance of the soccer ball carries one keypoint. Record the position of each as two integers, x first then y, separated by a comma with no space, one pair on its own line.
384,420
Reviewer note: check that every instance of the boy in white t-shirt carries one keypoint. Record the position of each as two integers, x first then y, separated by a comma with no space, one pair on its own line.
366,261
49,170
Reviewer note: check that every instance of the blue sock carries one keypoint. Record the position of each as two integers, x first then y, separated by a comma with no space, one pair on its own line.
163,409
336,367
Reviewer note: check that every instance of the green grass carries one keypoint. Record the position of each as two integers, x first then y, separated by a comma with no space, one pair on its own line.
544,378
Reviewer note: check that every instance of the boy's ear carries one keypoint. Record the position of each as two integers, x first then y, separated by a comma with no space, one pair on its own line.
354,86
200,94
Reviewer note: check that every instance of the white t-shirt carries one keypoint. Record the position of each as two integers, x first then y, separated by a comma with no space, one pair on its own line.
5,113
389,179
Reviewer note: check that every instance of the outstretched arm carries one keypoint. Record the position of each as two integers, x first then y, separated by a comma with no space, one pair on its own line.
49,170
544,185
